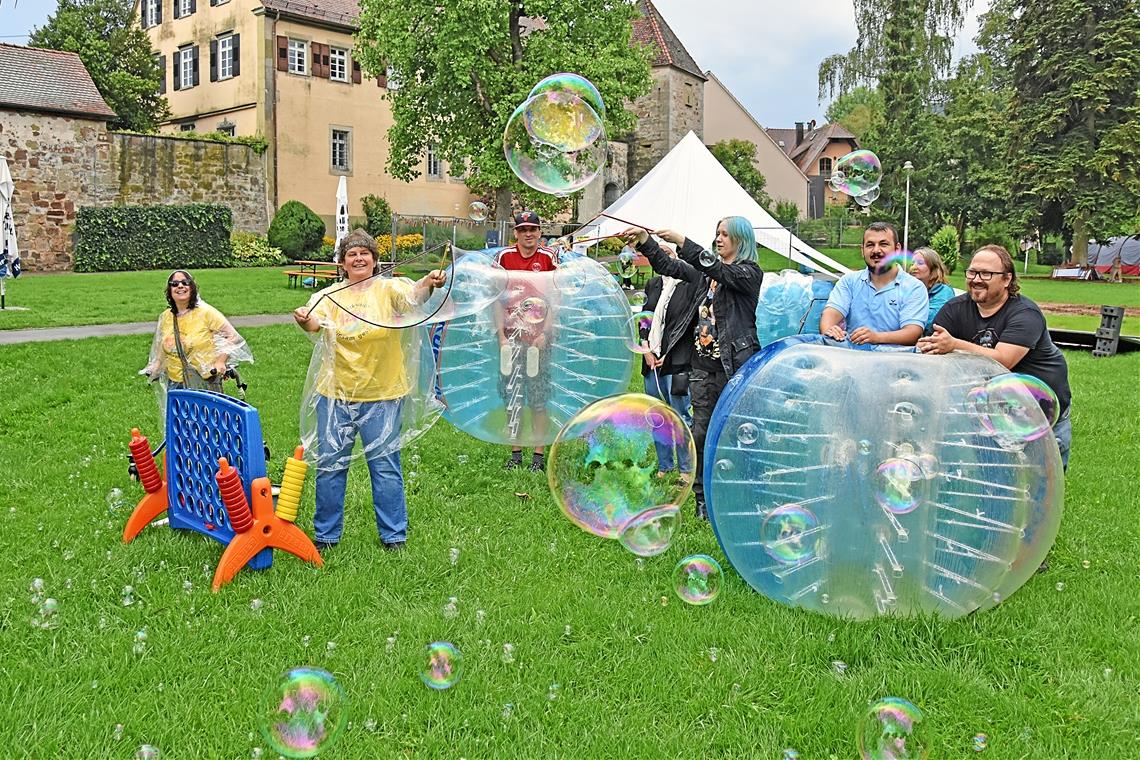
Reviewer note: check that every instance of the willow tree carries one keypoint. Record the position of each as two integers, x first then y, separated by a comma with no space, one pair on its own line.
463,67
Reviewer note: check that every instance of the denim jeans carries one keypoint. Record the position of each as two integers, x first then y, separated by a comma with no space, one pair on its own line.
1063,432
338,424
658,386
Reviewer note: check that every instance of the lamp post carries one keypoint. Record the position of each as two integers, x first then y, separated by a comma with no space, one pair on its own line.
908,167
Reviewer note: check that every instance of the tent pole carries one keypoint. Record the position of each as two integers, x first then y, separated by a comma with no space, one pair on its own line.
2,293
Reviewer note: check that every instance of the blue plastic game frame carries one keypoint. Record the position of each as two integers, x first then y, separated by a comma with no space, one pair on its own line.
201,427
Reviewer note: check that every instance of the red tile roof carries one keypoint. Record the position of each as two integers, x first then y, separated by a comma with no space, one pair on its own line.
344,12
650,29
38,79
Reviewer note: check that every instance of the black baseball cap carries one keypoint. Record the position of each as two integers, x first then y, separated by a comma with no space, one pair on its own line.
526,218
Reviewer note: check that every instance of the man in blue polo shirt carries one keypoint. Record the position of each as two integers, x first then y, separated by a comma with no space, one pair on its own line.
881,304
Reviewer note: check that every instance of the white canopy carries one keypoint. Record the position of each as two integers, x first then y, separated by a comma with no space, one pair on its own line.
689,191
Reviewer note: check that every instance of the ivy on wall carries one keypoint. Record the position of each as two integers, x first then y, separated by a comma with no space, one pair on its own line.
123,238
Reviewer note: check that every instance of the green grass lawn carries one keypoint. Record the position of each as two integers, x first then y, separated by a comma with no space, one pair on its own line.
1047,674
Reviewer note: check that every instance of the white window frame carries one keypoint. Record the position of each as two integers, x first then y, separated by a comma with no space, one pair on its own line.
338,64
183,8
150,13
186,127
431,159
226,56
185,68
393,82
230,130
340,141
298,57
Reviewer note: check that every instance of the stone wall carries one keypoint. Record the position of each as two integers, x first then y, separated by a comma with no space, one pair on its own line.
60,163
672,108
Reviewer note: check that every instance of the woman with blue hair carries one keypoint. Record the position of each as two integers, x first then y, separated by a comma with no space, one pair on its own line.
727,287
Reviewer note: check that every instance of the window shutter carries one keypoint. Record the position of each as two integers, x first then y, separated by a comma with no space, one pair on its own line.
158,16
213,60
315,55
356,72
325,53
177,69
236,48
382,81
193,6
175,9
162,75
282,53
194,58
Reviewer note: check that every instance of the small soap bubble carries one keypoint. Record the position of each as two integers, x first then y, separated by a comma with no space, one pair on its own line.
791,754
256,753
552,692
477,211
865,447
463,458
147,752
1086,564
650,532
892,729
187,586
370,724
825,598
444,666
453,556
414,459
128,596
140,642
117,734
1060,586
747,433
330,646
640,563
95,684
256,605
980,742
480,616
37,589
1108,672
508,653
664,601
451,609
390,644
839,666
696,579
115,498
508,710
303,712
306,640
566,632
713,654
707,258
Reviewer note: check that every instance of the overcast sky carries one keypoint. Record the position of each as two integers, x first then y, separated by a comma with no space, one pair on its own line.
766,52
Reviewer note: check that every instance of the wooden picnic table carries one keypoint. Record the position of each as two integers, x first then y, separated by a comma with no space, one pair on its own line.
331,271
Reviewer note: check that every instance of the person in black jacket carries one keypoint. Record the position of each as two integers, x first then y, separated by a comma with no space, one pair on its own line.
665,368
728,286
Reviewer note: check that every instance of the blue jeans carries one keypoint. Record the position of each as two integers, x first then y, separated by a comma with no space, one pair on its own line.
658,385
1063,432
338,424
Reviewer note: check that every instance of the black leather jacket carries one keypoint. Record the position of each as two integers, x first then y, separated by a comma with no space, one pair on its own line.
735,303
680,322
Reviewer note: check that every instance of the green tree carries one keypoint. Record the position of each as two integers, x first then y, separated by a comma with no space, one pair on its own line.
463,67
738,157
1075,116
378,212
859,110
117,54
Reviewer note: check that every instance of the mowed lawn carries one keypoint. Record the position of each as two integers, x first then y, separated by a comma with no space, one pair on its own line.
56,300
1052,672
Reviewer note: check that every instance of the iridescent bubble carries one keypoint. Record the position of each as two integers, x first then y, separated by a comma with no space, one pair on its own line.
115,498
789,533
603,466
707,258
867,198
637,299
895,488
147,752
303,713
981,741
543,165
639,325
444,665
696,579
533,310
891,731
862,172
574,83
1017,406
477,211
563,120
650,533
747,433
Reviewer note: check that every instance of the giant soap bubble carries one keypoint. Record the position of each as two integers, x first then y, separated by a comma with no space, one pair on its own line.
857,173
862,482
537,157
613,462
785,299
552,343
575,83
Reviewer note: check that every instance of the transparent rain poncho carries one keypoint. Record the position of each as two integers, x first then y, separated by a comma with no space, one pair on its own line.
552,343
369,388
210,345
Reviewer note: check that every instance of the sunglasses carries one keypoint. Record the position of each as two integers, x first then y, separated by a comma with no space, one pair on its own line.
179,283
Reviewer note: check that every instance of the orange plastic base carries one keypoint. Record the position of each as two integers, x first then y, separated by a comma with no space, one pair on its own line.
268,531
149,508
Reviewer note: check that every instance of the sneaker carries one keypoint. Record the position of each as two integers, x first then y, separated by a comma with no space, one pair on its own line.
393,546
513,463
538,464
702,511
324,546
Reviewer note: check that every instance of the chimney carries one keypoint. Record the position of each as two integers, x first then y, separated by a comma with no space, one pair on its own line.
799,132
811,125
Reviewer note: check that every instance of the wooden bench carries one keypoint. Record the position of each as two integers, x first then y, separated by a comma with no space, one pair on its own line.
299,275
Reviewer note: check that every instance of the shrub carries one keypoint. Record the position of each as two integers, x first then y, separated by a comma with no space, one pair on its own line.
945,241
296,230
994,233
124,238
378,214
253,250
787,213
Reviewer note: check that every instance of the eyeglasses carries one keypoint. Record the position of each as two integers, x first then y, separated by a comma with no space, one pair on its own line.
982,274
179,283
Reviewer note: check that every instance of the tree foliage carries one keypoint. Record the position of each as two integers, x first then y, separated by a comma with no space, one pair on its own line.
296,230
1075,116
117,54
463,67
860,110
738,157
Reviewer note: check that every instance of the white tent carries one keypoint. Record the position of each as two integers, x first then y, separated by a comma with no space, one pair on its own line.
9,251
689,191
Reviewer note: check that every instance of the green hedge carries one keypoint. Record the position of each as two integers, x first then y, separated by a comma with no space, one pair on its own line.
125,238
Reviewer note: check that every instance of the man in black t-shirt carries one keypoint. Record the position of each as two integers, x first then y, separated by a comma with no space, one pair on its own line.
994,320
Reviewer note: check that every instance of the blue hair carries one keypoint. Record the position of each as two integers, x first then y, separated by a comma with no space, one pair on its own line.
741,235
